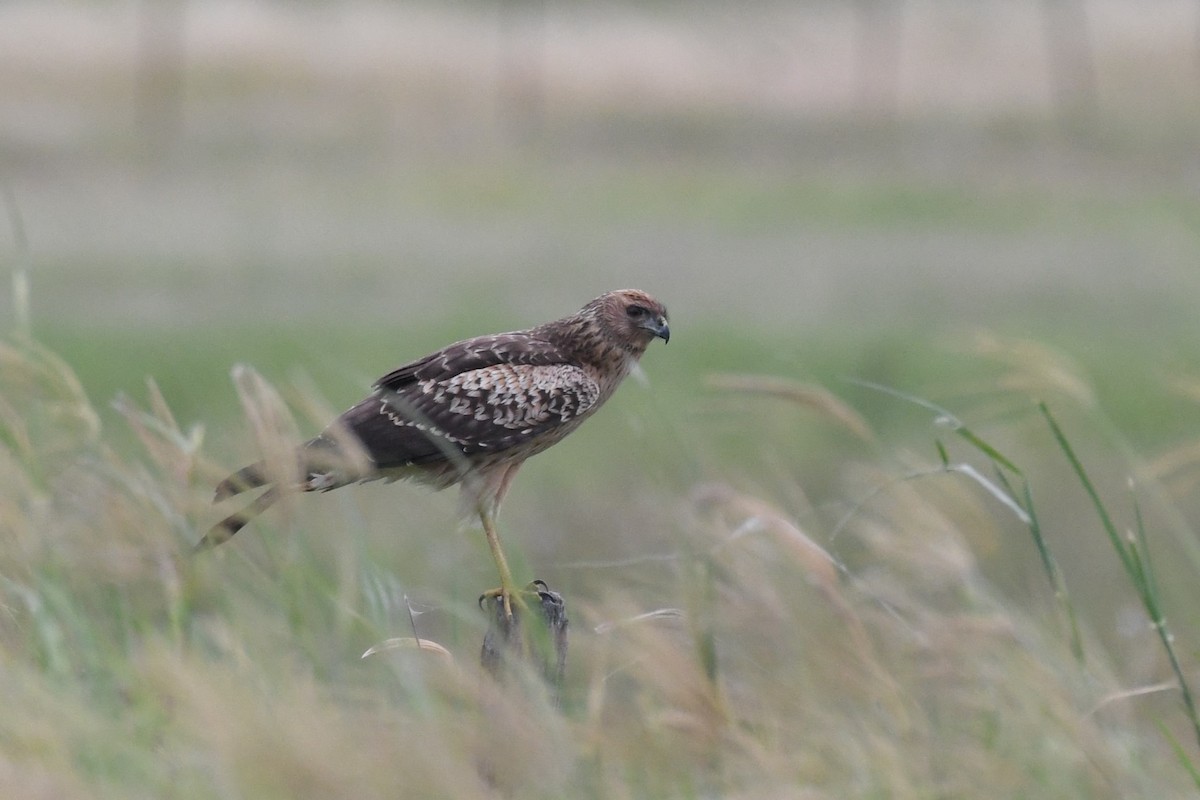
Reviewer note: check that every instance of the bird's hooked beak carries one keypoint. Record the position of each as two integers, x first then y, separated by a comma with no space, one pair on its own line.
659,327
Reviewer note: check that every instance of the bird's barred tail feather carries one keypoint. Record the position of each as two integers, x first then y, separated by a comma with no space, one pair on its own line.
224,530
245,479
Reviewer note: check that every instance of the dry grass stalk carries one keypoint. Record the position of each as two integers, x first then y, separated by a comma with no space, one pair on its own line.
1034,369
743,519
410,643
813,397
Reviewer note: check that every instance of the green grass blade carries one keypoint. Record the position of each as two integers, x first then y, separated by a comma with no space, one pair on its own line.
1134,557
1141,546
987,449
945,419
1097,504
1184,761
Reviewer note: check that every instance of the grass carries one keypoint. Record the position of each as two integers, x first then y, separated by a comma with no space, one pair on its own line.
133,670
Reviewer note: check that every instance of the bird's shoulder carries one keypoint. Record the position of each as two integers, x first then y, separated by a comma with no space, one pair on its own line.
518,348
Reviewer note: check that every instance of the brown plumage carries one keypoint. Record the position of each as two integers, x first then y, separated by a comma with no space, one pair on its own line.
471,413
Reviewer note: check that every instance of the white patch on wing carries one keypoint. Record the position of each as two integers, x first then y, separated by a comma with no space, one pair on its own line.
385,408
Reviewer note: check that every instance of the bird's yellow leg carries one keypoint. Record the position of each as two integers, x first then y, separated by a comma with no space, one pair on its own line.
508,589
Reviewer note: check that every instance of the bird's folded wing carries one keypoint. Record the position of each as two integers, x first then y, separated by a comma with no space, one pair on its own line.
518,347
491,409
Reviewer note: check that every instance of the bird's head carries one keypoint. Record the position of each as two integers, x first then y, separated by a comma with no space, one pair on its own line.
633,317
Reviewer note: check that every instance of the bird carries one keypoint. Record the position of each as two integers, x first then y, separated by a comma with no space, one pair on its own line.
469,414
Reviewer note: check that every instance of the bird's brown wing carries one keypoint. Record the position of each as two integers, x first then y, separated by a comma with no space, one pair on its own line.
485,395
518,347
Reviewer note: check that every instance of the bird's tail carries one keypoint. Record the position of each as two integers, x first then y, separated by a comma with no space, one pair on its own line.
245,479
224,530
322,466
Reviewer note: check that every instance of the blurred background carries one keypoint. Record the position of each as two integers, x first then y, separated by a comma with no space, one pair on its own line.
775,167
980,203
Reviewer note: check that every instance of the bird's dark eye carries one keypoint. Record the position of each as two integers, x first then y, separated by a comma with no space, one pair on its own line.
636,311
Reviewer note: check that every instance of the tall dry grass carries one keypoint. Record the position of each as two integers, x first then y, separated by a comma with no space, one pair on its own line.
882,663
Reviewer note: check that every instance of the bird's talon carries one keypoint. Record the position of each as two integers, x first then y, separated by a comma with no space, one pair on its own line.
542,590
505,600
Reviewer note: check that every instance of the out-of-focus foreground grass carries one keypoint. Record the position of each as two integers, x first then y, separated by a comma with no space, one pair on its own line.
938,664
329,203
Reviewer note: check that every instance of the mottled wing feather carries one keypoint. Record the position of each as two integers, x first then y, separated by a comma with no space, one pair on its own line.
486,395
489,410
483,351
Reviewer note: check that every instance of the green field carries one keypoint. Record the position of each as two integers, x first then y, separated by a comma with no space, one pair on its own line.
838,280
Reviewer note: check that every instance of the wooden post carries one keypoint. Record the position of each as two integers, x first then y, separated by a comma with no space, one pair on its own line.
543,644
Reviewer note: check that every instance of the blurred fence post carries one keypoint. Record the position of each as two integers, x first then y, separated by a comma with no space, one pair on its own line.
1072,68
521,80
158,109
545,648
877,55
